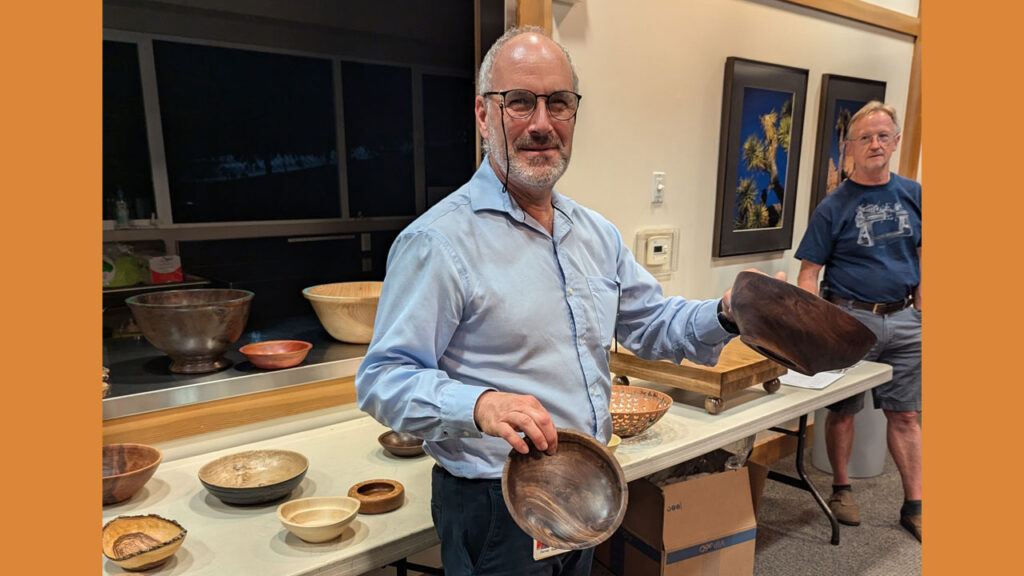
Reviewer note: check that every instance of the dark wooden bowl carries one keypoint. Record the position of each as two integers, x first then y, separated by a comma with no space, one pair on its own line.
126,469
276,354
794,327
572,500
254,476
378,496
401,443
141,542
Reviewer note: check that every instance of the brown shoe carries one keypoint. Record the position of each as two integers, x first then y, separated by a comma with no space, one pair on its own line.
845,509
912,524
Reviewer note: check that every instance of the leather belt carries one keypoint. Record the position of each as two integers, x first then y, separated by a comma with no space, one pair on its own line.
878,308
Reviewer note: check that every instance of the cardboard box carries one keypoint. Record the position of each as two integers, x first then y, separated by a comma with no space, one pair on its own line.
701,527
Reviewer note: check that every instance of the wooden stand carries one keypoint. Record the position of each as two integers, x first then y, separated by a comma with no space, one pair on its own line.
738,367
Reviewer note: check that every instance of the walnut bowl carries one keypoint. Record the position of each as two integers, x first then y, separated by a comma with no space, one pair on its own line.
401,443
126,469
141,542
254,476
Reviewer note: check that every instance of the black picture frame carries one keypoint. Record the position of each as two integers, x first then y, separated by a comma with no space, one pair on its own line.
750,215
841,97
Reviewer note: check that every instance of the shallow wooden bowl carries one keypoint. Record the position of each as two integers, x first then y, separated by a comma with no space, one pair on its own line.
318,519
141,542
614,442
401,443
794,327
572,500
276,354
254,476
635,409
378,496
126,469
346,309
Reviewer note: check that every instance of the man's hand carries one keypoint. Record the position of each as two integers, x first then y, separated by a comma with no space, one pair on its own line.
726,298
502,414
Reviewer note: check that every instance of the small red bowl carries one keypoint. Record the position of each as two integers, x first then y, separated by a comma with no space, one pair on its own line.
274,354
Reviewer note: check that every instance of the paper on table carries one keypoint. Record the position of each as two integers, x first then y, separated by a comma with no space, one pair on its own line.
816,382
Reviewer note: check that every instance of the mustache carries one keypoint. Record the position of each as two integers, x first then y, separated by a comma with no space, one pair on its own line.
538,141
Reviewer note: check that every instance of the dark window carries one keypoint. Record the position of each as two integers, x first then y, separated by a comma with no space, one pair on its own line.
125,148
378,139
449,134
248,135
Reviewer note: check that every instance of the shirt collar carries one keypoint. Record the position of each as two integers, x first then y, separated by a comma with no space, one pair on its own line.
485,194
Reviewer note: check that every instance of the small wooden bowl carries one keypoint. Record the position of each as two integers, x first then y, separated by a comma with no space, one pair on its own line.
378,496
126,469
572,500
635,409
614,442
254,476
318,519
141,542
794,327
401,443
276,354
346,309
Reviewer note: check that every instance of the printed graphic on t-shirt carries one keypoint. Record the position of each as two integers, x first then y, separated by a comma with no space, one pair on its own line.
881,223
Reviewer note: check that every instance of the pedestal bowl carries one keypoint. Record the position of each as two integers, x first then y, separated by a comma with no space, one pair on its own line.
193,327
346,309
141,542
794,327
254,476
126,469
572,500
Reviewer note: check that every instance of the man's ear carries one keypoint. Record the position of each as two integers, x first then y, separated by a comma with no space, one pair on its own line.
480,111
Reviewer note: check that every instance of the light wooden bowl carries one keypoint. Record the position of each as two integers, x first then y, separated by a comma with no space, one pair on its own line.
378,496
635,409
318,519
254,476
126,469
141,542
346,309
614,442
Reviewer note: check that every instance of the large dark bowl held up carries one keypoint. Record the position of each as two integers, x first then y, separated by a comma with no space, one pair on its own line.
794,327
572,500
193,327
254,476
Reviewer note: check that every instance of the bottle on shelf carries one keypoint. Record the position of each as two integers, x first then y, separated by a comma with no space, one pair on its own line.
123,218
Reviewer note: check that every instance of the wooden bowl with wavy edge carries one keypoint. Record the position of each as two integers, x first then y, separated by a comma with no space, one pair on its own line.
795,328
318,519
254,476
635,409
378,496
572,500
126,469
141,542
346,309
401,443
276,354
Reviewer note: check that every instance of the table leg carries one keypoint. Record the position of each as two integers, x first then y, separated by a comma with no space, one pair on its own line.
803,482
403,566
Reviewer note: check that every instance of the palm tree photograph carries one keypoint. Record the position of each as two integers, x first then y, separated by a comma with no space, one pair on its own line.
765,131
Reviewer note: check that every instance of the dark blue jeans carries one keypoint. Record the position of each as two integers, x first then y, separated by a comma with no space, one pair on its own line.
478,535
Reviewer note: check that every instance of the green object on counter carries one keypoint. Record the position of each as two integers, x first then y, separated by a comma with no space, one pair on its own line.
122,271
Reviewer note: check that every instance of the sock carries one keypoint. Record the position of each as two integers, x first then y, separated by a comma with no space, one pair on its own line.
911,508
838,487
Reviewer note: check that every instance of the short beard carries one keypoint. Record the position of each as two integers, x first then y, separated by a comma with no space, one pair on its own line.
533,174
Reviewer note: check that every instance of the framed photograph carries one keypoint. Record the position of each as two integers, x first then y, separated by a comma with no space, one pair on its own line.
758,156
841,97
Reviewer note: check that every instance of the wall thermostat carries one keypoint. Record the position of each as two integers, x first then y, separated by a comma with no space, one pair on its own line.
655,249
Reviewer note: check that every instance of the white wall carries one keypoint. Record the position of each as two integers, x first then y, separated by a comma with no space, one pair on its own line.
651,73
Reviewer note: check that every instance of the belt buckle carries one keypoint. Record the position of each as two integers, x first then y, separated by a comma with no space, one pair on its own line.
874,309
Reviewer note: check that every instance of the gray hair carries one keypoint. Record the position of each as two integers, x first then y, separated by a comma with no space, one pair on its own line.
483,83
871,108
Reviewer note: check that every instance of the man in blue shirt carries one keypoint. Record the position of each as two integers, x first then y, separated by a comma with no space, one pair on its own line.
499,308
867,236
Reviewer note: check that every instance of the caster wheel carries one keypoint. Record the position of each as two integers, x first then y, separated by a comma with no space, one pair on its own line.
713,404
772,386
621,381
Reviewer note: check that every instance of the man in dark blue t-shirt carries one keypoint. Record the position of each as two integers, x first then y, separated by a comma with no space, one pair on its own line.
867,236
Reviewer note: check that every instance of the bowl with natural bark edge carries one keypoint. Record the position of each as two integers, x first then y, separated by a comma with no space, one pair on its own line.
141,542
378,496
571,500
254,476
318,519
126,469
276,354
794,327
346,309
401,443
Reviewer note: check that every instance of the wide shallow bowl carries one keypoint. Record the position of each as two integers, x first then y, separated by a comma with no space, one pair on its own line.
346,309
614,442
572,500
318,519
401,443
126,469
141,542
193,327
275,354
635,409
254,476
378,496
794,327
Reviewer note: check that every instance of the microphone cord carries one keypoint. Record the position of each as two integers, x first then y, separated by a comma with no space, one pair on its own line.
504,137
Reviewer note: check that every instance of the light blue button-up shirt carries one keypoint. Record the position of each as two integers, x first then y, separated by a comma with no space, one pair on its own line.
478,296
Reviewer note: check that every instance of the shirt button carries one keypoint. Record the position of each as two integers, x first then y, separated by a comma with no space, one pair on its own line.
570,291
580,341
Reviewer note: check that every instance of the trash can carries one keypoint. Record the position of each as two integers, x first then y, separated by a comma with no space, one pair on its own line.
867,458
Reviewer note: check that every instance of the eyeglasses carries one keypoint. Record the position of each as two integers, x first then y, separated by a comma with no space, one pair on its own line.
884,138
520,104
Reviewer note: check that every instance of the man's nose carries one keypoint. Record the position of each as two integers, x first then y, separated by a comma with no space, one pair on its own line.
541,119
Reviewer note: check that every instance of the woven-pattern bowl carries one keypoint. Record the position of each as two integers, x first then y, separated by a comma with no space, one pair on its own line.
635,409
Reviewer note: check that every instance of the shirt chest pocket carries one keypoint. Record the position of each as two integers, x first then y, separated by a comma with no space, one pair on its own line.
605,307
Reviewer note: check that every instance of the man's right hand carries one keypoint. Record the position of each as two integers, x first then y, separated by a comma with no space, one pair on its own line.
503,414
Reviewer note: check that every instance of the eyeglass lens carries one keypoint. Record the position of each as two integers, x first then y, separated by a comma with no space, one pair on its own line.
883,138
521,103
